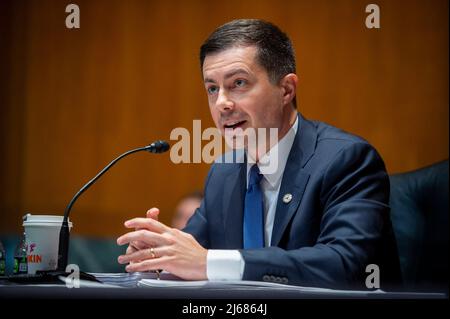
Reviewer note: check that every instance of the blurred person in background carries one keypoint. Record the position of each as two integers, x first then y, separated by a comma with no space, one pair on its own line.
186,208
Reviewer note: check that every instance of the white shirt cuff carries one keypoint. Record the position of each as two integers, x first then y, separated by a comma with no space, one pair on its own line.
224,265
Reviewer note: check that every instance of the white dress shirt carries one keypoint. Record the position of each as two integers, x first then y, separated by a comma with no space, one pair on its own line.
222,264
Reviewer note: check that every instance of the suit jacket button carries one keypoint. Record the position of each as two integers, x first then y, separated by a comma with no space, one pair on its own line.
284,280
266,278
273,279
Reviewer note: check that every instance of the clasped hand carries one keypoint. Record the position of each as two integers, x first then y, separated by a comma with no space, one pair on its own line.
153,245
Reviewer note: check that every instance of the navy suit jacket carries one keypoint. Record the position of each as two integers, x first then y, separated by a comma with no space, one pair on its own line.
336,224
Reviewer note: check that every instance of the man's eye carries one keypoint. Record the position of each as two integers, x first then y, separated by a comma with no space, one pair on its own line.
240,83
212,89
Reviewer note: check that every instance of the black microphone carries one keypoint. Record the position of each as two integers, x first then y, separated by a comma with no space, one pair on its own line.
63,250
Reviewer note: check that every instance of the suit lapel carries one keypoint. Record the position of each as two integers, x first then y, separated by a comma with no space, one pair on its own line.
233,206
294,178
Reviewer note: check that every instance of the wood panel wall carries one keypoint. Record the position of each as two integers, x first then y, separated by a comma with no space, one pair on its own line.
73,99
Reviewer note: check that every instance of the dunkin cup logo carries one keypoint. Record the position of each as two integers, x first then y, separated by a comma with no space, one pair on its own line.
33,258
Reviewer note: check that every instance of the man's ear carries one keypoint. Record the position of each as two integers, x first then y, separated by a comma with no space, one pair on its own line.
288,85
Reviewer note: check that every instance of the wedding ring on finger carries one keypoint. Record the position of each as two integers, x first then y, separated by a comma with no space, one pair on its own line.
152,253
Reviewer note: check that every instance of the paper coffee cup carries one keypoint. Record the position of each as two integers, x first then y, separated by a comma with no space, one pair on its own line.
42,237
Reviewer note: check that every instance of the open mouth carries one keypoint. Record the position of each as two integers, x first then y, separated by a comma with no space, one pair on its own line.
234,125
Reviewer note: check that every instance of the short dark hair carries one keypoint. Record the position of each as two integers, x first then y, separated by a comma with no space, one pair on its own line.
275,52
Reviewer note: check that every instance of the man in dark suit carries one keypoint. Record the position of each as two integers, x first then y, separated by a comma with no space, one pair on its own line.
319,218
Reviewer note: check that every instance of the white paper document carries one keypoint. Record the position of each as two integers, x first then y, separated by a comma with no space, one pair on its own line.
128,280
148,280
240,284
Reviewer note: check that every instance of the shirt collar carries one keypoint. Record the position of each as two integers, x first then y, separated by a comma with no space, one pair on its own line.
277,154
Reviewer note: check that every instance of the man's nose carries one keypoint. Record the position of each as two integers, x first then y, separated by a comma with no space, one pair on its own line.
223,102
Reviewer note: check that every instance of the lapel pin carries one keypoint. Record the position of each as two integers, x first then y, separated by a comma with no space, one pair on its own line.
287,198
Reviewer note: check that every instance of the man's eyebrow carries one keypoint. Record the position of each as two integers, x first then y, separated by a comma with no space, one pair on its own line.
228,75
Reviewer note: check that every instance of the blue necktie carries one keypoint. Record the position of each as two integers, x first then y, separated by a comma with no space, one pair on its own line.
253,212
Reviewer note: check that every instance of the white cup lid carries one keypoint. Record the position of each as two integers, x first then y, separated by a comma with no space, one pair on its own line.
43,219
